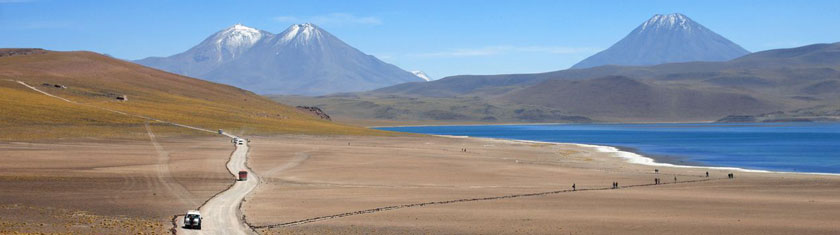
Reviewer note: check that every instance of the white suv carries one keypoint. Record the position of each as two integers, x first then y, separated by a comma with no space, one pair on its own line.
192,219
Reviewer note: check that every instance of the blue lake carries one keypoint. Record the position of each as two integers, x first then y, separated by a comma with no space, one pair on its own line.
794,147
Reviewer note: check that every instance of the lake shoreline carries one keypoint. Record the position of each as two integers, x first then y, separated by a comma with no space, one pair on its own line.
631,157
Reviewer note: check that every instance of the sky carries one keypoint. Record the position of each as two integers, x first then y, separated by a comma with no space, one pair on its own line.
441,38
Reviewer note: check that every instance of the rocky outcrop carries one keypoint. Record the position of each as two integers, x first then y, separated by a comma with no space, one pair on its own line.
738,118
315,111
821,113
21,51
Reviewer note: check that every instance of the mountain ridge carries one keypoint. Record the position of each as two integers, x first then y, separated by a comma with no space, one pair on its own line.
761,82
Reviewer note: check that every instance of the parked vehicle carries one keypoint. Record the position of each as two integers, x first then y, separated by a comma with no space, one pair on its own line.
243,175
192,219
220,131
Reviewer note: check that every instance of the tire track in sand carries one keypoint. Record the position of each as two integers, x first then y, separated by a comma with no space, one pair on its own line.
164,174
299,158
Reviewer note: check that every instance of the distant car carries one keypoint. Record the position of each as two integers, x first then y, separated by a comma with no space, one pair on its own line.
220,131
192,219
243,175
240,142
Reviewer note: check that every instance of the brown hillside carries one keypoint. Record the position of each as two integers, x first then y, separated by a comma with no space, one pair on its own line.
618,97
95,81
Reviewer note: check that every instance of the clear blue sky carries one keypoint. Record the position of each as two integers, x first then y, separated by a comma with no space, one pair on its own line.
442,38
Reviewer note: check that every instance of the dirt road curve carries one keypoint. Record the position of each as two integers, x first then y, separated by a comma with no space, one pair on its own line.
221,214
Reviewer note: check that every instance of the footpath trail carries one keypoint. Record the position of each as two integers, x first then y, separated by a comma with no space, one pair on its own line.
422,204
221,213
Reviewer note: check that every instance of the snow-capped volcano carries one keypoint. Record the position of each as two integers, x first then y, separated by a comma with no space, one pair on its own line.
221,47
421,74
666,39
304,60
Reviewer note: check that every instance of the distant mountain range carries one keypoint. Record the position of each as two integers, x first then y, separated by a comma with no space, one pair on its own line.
666,39
302,60
798,81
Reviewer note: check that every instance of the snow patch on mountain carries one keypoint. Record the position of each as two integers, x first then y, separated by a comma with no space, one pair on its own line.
301,34
421,74
236,39
668,21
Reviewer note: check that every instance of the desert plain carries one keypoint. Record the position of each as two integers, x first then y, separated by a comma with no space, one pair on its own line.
314,184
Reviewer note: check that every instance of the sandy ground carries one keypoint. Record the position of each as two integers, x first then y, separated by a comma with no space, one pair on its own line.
310,177
116,185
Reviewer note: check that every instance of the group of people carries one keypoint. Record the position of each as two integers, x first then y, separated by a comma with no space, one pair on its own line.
659,181
655,180
464,150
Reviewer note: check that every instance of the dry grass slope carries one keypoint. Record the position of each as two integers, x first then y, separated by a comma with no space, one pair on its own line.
97,80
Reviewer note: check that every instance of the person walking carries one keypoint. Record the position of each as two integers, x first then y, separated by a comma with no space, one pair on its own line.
573,187
707,174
